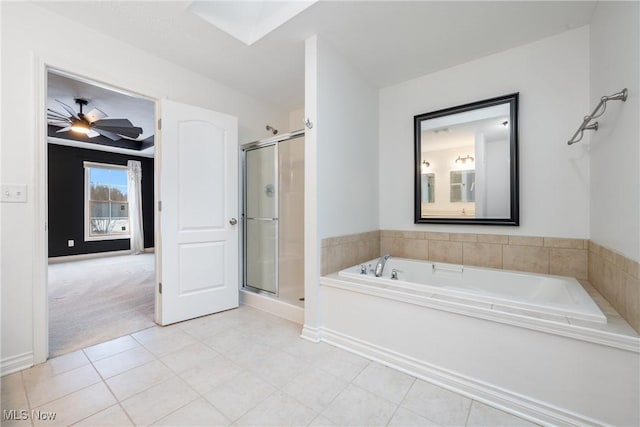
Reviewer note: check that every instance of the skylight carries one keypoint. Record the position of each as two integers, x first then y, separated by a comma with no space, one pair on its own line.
248,21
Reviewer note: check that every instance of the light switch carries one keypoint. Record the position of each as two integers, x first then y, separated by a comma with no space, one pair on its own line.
13,193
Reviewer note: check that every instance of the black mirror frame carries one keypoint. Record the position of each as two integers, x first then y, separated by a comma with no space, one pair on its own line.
514,219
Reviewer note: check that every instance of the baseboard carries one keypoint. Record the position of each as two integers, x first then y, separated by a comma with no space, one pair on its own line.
522,406
310,333
272,306
16,363
80,257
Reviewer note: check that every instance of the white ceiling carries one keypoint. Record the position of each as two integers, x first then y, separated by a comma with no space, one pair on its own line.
386,41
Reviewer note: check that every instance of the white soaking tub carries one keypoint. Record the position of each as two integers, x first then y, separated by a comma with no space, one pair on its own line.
535,293
534,345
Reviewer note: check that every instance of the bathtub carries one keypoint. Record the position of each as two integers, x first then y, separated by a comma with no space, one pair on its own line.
537,294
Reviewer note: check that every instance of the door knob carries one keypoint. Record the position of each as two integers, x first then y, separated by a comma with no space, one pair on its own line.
233,221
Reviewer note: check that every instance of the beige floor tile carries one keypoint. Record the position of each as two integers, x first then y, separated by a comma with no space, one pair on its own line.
121,362
197,413
389,383
239,394
305,350
55,366
159,401
55,387
278,368
322,421
206,375
405,418
355,406
484,416
247,353
110,348
205,327
112,416
13,392
227,340
315,389
21,420
77,406
188,356
437,404
342,364
163,340
138,379
278,410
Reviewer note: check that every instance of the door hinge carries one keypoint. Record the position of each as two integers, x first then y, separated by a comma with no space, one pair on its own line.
160,287
159,124
159,205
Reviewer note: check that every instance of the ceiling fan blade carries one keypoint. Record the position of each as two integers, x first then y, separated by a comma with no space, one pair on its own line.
57,123
68,109
113,123
94,115
92,133
132,132
119,126
108,134
66,129
54,113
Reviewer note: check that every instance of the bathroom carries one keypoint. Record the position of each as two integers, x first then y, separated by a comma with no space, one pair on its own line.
578,205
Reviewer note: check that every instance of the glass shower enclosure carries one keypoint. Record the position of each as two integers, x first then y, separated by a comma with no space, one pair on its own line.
261,220
273,217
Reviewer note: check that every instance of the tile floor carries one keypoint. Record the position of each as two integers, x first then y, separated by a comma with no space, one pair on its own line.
242,367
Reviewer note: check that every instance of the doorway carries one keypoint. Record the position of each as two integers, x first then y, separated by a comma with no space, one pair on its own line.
97,288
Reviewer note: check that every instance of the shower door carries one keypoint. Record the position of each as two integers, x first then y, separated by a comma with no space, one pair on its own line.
261,219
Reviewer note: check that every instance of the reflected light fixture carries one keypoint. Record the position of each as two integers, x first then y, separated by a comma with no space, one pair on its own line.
464,160
424,166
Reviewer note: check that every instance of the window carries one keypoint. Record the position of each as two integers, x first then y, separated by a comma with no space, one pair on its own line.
106,206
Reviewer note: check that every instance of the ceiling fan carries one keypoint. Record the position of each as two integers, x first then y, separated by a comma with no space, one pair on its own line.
91,124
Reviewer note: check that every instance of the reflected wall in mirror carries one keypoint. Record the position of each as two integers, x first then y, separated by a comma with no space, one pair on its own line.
428,185
473,150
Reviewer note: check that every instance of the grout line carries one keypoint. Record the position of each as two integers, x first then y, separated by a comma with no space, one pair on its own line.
466,421
110,391
26,395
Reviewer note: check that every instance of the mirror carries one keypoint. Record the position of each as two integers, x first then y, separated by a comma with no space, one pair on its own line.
466,163
463,187
428,185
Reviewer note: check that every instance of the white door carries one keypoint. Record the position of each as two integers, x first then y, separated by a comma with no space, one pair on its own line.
198,161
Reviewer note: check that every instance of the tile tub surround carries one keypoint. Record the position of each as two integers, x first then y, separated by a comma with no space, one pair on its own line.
547,255
344,251
617,278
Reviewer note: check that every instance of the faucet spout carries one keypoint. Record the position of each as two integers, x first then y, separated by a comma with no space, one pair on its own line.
380,265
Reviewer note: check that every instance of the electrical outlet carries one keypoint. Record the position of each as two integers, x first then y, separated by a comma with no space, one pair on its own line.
71,243
13,193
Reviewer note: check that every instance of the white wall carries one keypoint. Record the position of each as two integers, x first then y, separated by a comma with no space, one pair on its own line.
552,77
296,119
31,34
615,147
347,156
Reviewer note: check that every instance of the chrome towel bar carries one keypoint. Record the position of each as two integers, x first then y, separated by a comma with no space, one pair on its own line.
597,112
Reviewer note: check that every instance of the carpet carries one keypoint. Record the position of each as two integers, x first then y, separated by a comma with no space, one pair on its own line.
96,300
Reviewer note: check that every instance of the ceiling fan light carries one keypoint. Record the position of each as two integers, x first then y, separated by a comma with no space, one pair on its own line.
79,128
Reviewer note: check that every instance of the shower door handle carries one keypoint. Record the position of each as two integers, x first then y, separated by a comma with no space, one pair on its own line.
233,221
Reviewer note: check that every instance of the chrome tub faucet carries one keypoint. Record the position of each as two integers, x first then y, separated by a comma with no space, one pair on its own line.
380,265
